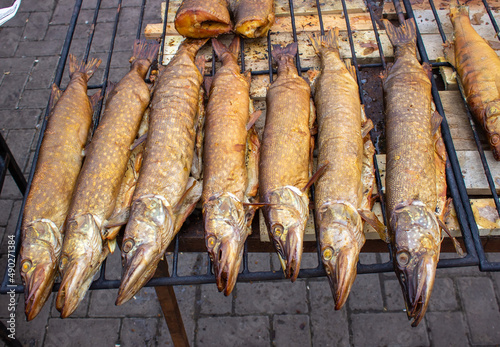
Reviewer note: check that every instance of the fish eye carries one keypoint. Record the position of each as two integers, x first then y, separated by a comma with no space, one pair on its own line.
127,245
26,265
403,258
211,242
277,229
328,253
63,261
495,139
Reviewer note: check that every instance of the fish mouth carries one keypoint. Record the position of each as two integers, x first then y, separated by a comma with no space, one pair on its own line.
226,256
417,280
76,280
139,267
39,284
288,245
341,270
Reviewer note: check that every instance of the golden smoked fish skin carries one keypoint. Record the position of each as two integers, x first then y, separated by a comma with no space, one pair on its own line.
285,159
340,190
225,177
415,171
253,18
479,68
162,200
203,18
100,180
59,162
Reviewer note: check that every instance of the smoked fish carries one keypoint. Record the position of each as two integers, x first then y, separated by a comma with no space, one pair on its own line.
230,157
253,18
346,185
59,162
203,18
87,244
416,180
478,66
165,194
286,159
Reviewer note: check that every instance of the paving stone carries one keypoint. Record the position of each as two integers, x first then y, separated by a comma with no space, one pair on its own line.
138,332
19,142
237,331
10,41
192,264
114,265
152,13
80,312
37,6
368,258
58,32
291,330
259,262
16,65
309,261
104,4
84,332
271,297
329,327
366,293
12,223
62,13
19,119
447,329
34,98
42,74
10,189
39,48
481,310
444,297
129,21
10,90
394,300
32,333
37,25
5,208
382,329
143,304
214,302
19,19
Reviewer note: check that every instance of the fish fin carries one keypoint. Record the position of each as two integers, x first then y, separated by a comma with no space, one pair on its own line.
109,88
367,124
112,245
436,120
449,52
372,219
139,141
329,42
404,34
189,203
94,99
200,64
79,66
351,68
145,50
207,83
234,47
220,49
252,162
55,94
290,50
312,113
316,175
368,174
253,118
456,244
183,197
457,11
428,70
118,219
248,76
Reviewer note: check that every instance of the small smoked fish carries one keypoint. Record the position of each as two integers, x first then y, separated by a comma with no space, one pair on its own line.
478,66
59,162
253,18
286,159
415,182
228,182
346,185
165,194
203,18
85,245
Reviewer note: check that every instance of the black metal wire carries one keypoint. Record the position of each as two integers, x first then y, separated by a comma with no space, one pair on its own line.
92,31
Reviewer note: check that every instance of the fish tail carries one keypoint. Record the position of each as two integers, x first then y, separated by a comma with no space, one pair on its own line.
461,10
290,50
145,50
76,65
329,42
220,49
404,34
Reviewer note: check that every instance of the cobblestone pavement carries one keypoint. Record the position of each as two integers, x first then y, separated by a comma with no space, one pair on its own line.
464,308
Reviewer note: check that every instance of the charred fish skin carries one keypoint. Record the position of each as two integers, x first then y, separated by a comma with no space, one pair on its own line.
412,195
203,18
339,191
285,159
225,178
253,18
98,185
163,196
59,162
478,66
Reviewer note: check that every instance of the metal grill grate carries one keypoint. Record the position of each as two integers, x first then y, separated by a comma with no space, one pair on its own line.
470,234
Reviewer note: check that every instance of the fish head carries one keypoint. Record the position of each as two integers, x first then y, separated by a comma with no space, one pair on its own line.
415,254
80,260
149,230
341,238
225,235
39,253
286,219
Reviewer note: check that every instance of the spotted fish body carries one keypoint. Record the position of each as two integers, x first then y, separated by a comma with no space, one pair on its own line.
478,66
416,188
59,162
285,160
203,18
253,18
164,195
340,191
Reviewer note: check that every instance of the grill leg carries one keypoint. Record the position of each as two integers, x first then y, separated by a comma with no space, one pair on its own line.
170,308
